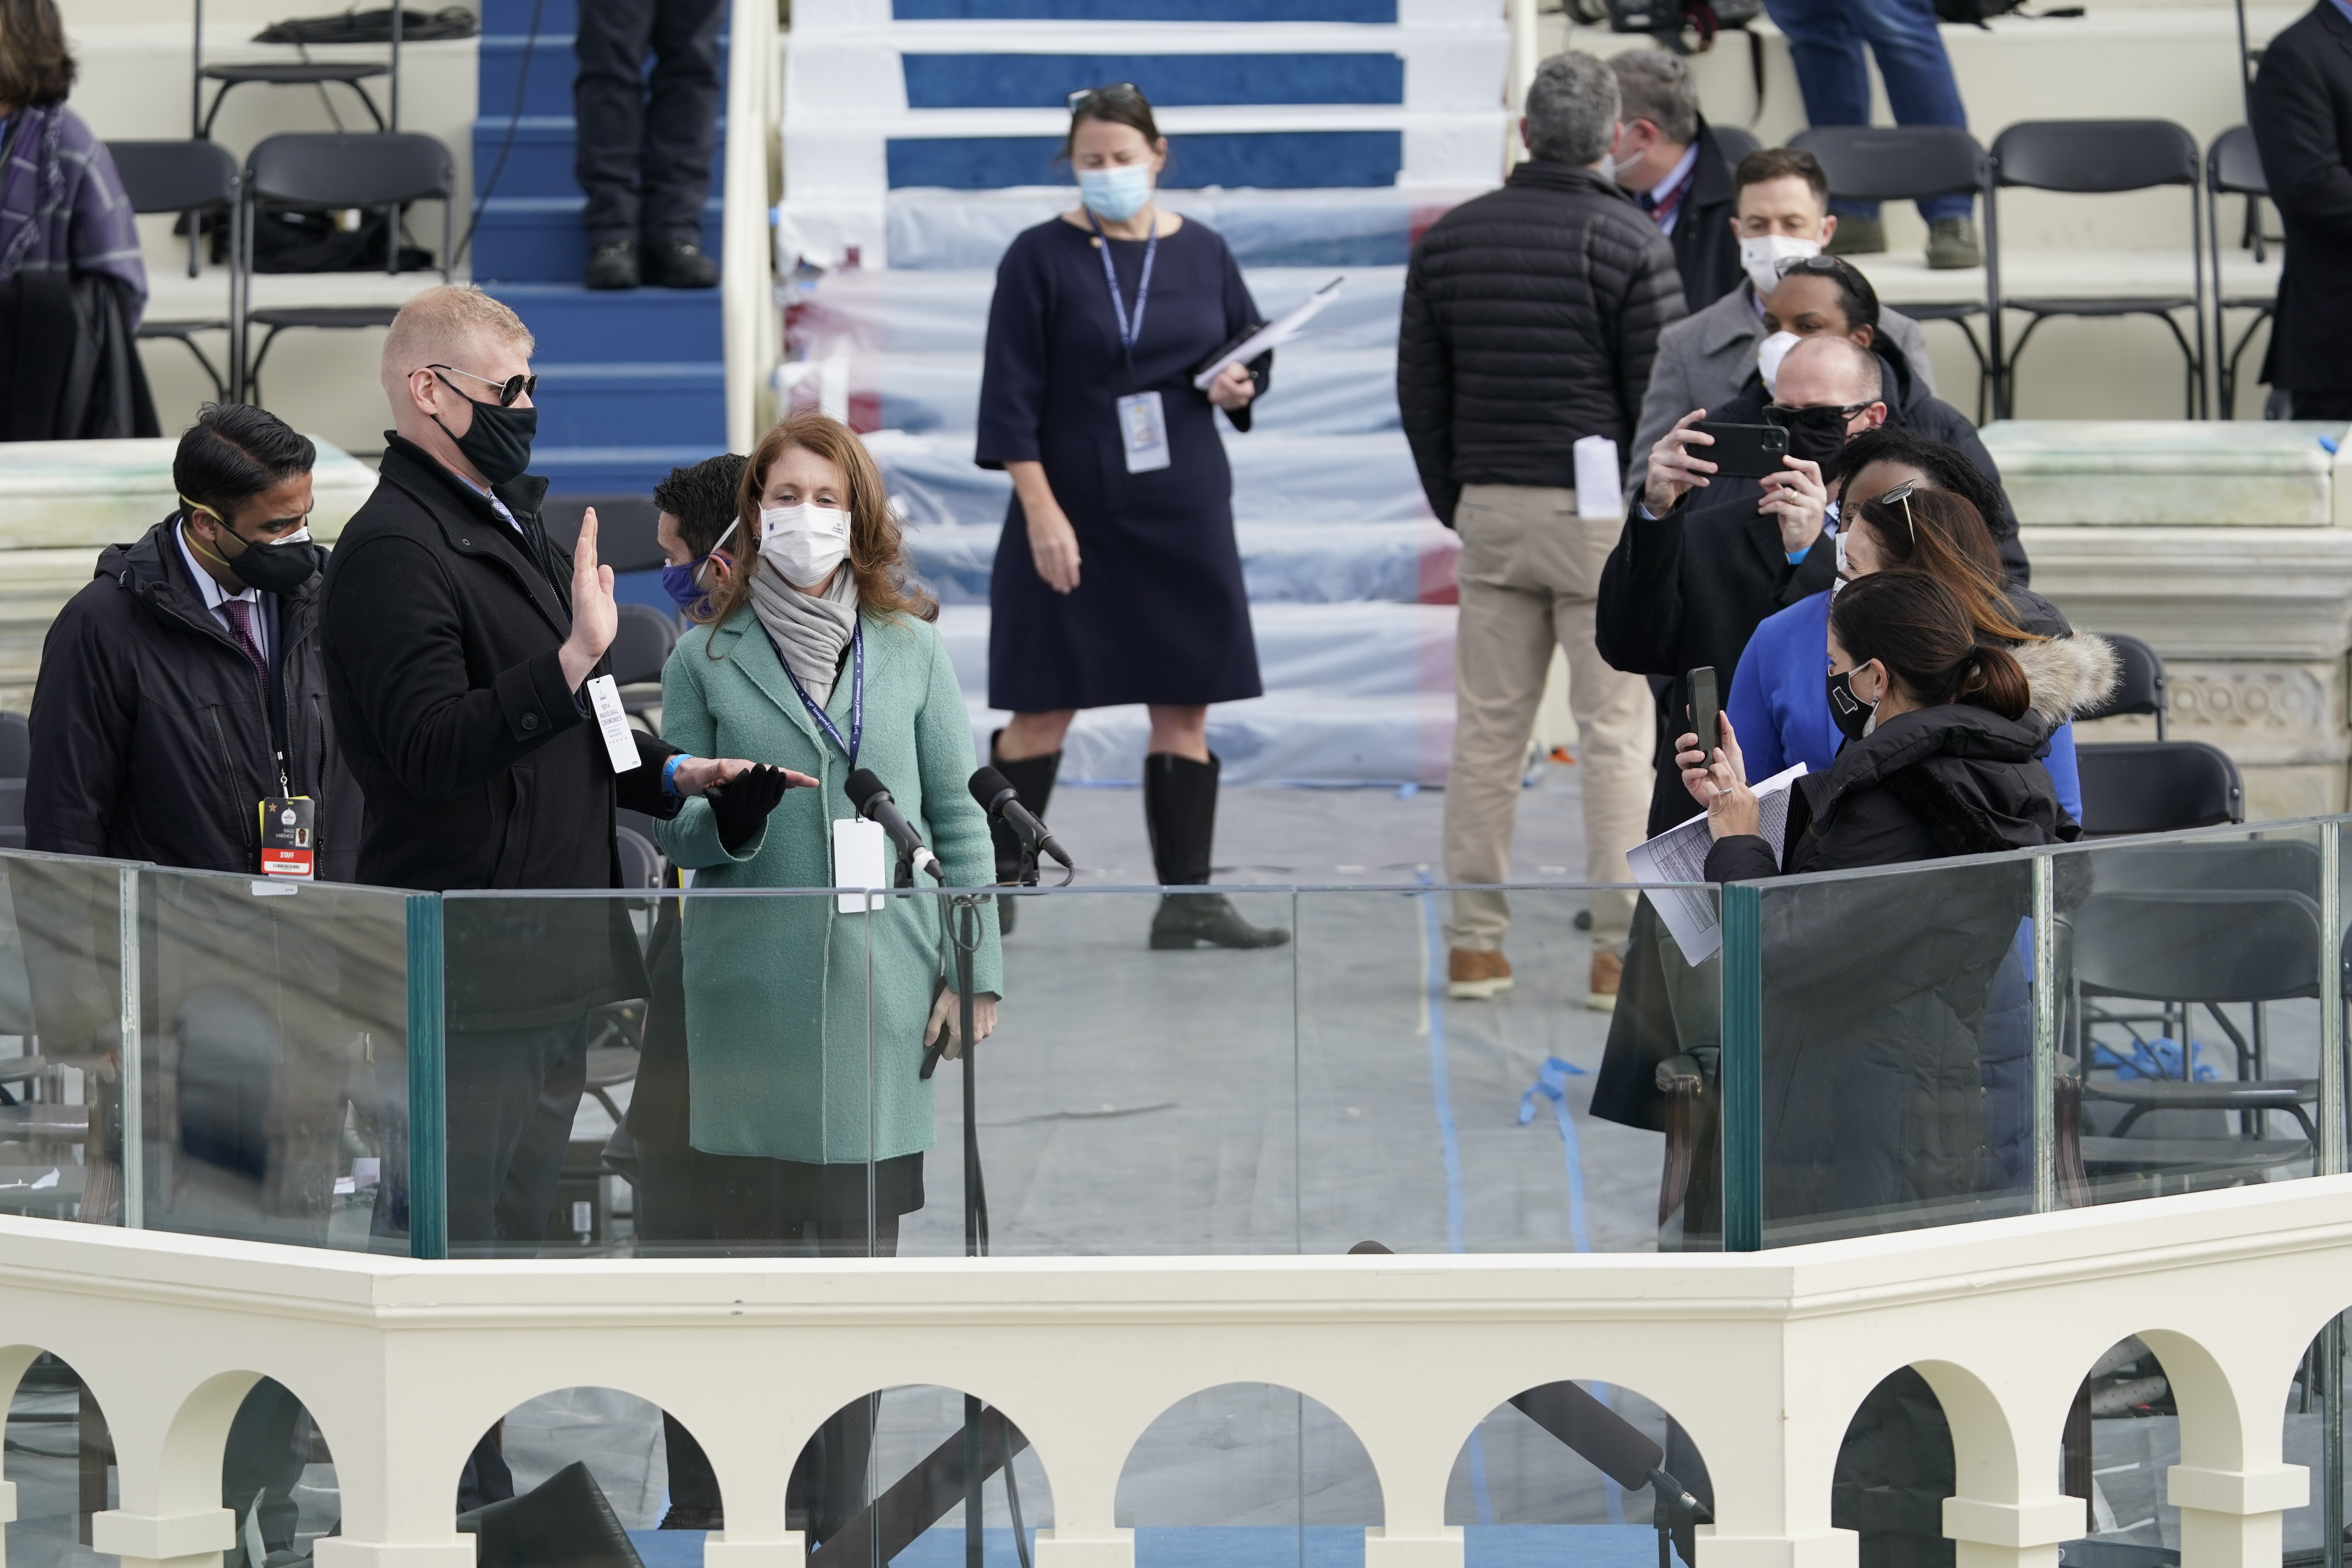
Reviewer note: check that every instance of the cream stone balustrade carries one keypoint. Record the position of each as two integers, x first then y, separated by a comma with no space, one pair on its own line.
1763,1357
2227,546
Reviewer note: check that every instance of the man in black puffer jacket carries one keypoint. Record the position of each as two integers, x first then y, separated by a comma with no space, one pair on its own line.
1531,315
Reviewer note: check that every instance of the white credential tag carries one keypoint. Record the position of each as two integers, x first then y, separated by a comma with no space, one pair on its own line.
1143,430
605,697
859,861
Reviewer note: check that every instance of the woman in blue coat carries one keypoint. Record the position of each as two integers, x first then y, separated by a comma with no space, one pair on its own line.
1118,579
814,656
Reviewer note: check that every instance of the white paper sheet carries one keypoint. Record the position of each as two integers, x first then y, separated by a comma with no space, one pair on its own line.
1679,854
1273,335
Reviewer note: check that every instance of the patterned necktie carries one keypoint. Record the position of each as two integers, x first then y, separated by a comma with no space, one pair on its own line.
240,622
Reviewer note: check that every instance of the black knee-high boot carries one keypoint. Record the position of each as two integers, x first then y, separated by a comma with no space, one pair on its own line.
1179,812
1032,779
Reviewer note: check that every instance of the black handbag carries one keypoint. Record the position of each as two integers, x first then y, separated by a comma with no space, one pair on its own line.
357,26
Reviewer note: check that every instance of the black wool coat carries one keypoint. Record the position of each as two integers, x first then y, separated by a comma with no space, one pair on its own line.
481,769
2301,111
1706,250
151,737
1531,315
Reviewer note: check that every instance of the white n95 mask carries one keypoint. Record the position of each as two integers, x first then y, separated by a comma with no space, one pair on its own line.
1760,256
804,542
1769,355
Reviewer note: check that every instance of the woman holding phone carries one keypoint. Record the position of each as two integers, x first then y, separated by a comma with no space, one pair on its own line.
1118,579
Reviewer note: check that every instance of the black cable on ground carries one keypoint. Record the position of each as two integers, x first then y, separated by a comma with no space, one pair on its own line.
488,188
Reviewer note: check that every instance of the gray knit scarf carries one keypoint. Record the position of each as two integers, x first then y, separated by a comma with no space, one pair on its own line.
809,629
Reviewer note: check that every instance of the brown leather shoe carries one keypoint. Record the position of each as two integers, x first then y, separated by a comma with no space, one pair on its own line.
1608,974
1475,976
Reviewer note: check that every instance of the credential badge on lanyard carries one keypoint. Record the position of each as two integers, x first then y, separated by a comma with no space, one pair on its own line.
857,846
1142,422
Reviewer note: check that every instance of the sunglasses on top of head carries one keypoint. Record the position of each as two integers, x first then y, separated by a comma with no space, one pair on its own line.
510,389
1117,92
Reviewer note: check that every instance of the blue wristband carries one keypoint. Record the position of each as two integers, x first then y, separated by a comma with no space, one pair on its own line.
670,773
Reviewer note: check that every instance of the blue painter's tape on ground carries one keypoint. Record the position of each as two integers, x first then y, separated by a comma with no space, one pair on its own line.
1290,160
1045,82
1381,12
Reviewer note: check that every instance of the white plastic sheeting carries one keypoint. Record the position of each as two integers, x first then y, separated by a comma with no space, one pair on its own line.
1318,390
1356,694
1298,564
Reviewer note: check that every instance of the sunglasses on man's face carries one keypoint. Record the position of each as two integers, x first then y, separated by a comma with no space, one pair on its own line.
1117,92
510,389
1822,417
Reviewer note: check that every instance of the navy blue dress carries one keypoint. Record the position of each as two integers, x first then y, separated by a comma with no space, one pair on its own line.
1159,614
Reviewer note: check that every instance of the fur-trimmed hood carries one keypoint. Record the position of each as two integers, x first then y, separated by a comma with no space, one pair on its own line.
2068,674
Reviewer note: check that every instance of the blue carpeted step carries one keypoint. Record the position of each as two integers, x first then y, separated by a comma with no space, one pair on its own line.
1043,80
637,405
547,87
1197,159
615,470
640,326
514,17
538,160
538,239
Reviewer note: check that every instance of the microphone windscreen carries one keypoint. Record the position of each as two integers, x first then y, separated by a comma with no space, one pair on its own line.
989,786
1614,1446
861,787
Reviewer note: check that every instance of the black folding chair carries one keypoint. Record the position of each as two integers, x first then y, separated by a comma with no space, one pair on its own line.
1909,164
1735,143
640,648
331,173
2233,167
2157,787
196,180
2095,157
2139,684
16,762
305,72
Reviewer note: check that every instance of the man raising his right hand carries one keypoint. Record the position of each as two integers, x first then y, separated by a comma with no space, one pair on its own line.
459,640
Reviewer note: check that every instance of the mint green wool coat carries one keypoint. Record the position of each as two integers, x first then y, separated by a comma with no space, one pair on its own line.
776,987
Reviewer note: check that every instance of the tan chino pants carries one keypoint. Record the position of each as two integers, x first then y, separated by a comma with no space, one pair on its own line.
1530,573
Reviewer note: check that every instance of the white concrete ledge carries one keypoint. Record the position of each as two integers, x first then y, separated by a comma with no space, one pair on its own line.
2267,1490
2016,1525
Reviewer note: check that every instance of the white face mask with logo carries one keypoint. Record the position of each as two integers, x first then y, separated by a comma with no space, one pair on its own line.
1760,256
804,542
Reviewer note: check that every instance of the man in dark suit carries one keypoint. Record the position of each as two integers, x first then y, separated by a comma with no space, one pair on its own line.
459,642
2301,116
1666,156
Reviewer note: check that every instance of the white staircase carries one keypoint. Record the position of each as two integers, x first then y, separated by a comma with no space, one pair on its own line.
1316,136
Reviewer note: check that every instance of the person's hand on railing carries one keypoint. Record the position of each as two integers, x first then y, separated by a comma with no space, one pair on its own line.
1719,782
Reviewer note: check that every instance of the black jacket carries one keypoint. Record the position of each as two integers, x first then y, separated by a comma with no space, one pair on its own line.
1875,991
1530,318
481,769
1706,250
2301,111
151,737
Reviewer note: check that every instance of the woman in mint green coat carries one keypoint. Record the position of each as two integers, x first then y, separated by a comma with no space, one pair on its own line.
776,995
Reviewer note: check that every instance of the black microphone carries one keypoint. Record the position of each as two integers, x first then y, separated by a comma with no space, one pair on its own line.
872,801
1003,803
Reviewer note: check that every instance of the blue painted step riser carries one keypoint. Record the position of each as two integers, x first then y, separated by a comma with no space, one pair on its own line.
657,414
1292,160
532,245
650,325
588,472
1044,81
548,89
1379,12
539,161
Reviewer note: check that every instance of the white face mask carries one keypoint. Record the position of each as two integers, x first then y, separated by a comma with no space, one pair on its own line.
1769,355
804,543
1760,256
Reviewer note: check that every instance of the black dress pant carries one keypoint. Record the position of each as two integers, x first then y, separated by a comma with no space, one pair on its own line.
2330,405
644,146
513,1094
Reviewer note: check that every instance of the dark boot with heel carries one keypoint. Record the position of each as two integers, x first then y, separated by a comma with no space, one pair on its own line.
1179,812
1032,779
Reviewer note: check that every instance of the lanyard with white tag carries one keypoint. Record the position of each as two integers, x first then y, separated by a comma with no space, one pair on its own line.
858,844
856,698
1142,419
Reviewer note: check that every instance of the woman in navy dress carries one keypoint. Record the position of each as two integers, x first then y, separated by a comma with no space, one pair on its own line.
1117,580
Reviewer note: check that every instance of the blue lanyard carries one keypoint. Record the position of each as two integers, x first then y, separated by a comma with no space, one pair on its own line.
857,696
1127,336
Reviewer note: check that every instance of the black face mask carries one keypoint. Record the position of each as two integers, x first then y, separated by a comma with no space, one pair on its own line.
1814,434
1850,713
271,568
499,440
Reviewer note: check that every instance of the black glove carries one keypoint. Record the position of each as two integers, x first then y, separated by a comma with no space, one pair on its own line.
742,807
